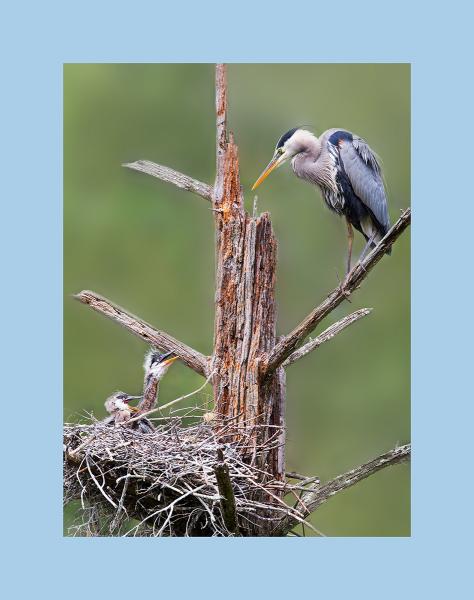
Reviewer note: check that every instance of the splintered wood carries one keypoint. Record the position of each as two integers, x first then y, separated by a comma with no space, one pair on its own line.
245,315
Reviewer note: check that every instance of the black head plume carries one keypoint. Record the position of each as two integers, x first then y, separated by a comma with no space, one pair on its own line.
286,136
157,358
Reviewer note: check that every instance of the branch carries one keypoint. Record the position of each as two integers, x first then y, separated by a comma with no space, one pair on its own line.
171,176
313,498
227,502
190,357
290,342
326,335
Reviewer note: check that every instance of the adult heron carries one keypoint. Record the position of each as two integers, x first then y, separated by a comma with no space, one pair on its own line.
348,174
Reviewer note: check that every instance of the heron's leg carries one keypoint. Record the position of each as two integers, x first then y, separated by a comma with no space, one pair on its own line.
350,240
369,243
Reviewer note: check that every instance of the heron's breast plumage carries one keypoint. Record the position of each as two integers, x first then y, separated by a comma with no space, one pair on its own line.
323,172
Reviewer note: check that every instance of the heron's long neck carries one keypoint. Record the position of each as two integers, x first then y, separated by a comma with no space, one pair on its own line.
305,163
150,393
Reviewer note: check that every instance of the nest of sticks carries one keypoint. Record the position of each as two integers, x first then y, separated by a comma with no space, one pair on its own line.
197,480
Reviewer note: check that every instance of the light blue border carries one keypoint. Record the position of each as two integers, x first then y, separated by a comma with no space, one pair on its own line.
36,39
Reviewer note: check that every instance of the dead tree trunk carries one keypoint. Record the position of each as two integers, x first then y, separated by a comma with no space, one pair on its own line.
245,315
247,365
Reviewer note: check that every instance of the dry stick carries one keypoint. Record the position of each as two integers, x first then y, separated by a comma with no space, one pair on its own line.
226,491
326,335
190,357
171,176
159,408
116,520
288,344
317,495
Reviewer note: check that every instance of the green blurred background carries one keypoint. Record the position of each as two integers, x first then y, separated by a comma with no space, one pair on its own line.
149,247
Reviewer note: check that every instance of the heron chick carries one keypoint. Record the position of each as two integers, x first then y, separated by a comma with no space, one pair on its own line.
118,407
155,367
347,172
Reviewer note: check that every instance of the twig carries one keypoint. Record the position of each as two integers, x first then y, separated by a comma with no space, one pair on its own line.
160,408
227,501
190,357
317,495
326,335
288,344
81,446
101,489
171,176
116,520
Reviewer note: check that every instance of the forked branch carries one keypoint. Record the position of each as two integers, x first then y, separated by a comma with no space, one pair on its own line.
190,357
289,343
171,176
313,498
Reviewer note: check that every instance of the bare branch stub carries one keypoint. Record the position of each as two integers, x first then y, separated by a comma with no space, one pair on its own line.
290,342
171,176
326,335
313,498
190,357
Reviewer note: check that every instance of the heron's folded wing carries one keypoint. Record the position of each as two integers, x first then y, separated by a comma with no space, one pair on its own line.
363,170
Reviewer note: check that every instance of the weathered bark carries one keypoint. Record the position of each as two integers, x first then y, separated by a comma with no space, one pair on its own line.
245,311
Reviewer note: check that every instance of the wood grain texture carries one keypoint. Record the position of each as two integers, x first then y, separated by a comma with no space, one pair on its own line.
171,176
245,310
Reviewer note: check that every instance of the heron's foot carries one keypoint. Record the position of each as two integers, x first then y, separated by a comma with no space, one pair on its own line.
343,286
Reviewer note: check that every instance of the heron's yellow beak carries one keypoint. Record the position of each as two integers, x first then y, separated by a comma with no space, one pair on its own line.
272,165
170,360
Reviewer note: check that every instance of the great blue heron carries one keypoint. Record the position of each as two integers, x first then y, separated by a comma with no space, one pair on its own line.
118,408
348,174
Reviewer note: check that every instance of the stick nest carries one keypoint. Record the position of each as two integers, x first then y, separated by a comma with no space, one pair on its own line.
164,483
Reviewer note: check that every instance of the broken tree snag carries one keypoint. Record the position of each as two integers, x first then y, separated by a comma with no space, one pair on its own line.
245,312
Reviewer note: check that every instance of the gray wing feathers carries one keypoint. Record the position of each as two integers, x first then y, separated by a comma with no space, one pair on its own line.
363,170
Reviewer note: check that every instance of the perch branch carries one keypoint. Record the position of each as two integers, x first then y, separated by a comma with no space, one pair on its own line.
190,357
314,497
171,176
227,502
289,343
326,335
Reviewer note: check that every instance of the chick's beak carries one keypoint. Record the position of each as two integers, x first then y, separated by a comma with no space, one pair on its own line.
168,361
132,398
272,165
132,408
